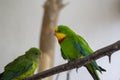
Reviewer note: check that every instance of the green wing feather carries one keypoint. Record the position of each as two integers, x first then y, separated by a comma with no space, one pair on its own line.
85,50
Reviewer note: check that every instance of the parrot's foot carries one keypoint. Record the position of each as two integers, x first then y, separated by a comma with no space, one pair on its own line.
69,61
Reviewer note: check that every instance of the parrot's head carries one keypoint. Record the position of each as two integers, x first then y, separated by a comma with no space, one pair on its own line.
62,31
33,52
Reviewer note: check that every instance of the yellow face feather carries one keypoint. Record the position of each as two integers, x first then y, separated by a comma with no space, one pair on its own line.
60,36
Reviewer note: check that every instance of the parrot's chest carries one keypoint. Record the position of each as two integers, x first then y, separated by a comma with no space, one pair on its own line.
69,51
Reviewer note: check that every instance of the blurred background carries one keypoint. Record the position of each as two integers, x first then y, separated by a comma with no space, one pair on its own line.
98,21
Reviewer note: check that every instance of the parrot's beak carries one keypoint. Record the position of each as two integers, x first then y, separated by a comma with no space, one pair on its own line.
55,31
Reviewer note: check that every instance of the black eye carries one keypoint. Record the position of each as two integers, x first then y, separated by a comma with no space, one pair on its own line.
59,31
36,53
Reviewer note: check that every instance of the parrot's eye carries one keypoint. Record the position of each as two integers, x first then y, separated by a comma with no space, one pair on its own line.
36,53
59,31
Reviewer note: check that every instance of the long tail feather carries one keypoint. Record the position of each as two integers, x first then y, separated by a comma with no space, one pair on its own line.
92,71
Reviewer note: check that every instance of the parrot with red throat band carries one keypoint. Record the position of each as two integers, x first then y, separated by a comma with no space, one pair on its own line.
73,46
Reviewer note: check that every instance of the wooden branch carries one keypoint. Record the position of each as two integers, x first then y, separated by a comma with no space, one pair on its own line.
47,39
106,51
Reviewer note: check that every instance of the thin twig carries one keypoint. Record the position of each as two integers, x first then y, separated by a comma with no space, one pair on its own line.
106,51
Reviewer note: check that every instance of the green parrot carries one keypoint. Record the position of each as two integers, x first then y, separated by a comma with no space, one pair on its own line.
74,46
22,67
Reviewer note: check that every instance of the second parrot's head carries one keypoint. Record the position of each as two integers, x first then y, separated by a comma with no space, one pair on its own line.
62,31
33,52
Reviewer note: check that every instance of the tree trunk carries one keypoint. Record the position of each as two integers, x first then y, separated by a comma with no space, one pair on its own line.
47,41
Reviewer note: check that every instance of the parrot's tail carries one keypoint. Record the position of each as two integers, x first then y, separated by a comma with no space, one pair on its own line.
101,69
92,71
